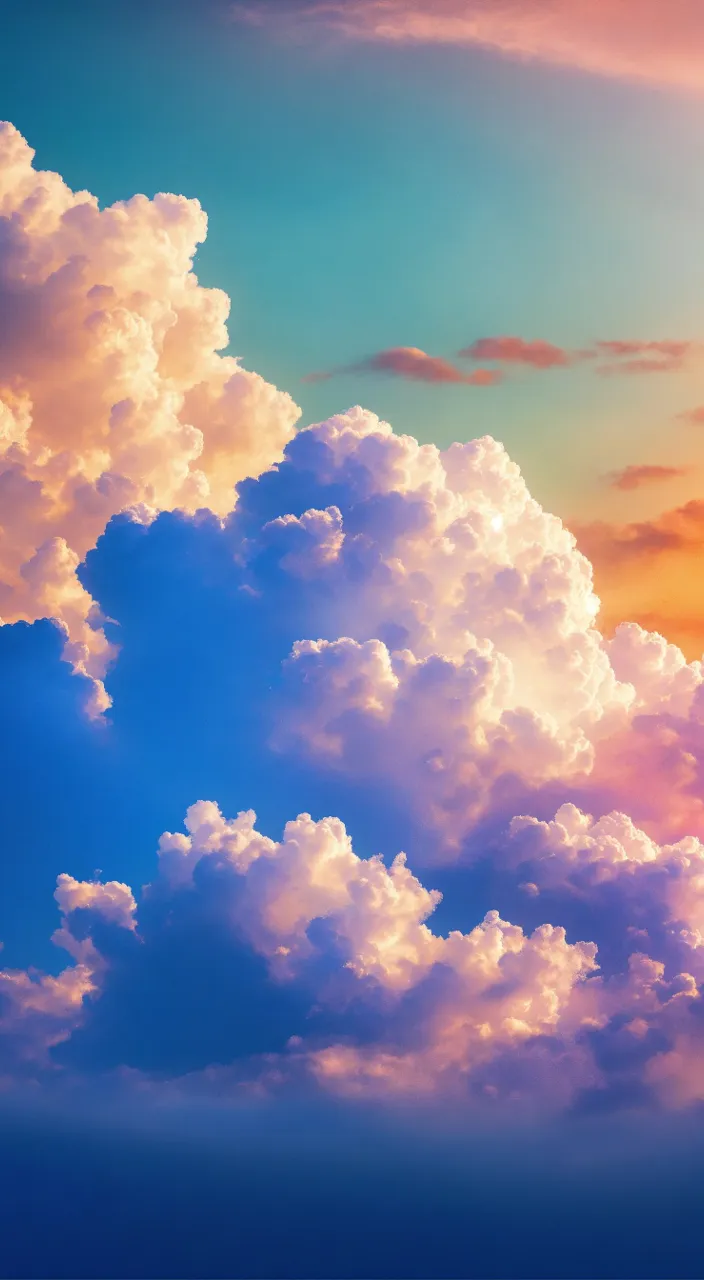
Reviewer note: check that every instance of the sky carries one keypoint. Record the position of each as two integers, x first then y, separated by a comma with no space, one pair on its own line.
351,625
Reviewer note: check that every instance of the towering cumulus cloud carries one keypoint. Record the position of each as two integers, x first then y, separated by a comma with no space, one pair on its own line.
112,393
398,621
452,649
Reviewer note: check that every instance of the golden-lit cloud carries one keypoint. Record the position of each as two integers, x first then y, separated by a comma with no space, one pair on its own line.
113,393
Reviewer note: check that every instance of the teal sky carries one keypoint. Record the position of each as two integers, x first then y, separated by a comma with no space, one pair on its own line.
362,198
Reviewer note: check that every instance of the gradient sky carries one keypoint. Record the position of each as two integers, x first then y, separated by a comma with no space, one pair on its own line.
365,197
235,1047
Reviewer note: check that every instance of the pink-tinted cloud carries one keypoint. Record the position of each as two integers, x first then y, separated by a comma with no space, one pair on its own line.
664,356
649,571
695,416
646,40
616,356
668,349
611,357
413,364
636,475
510,350
674,530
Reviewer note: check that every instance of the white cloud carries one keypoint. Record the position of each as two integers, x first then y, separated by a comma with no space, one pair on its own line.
113,394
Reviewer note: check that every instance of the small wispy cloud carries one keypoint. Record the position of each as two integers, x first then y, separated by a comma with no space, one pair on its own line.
655,41
611,356
695,416
414,364
664,356
513,350
637,475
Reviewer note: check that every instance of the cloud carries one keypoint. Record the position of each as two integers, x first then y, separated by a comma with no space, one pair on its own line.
420,1011
383,623
620,356
674,530
610,357
408,625
113,394
665,356
113,901
411,363
635,475
648,571
456,666
357,994
628,39
669,350
535,354
38,1012
447,734
662,886
694,416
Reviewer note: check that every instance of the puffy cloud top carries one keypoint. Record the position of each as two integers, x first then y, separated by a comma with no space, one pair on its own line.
113,394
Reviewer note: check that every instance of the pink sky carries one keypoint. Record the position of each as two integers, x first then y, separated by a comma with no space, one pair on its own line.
657,40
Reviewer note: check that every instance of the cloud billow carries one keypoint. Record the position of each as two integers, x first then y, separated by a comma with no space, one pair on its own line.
365,626
113,394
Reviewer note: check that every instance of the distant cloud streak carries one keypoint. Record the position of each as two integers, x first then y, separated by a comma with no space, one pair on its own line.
674,530
413,364
608,357
641,40
643,357
617,356
636,475
509,350
695,416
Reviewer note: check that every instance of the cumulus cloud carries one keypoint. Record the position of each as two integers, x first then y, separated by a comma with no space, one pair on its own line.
452,660
113,394
375,1002
632,39
463,663
420,629
404,618
38,1012
664,883
438,1008
413,364
445,733
463,672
